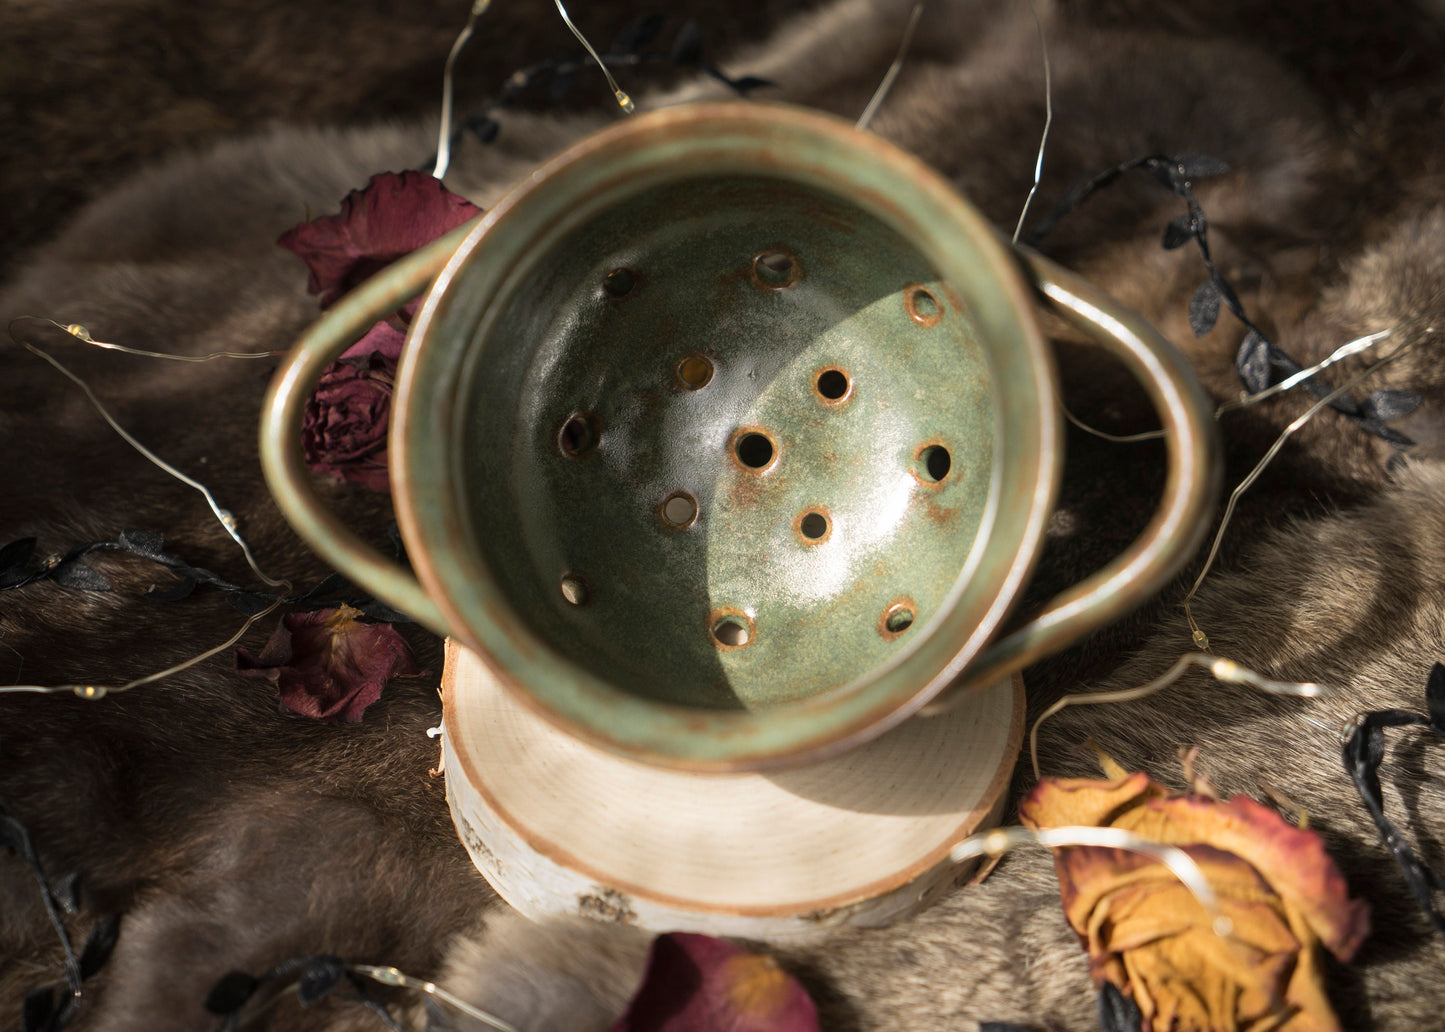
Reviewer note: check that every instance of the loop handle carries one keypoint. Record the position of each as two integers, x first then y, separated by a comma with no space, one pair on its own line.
281,414
1185,511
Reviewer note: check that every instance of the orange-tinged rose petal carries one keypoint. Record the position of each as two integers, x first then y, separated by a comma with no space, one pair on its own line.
1149,935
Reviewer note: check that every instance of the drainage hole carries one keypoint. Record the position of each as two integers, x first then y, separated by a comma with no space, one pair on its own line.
832,384
574,589
899,620
775,268
578,435
814,525
754,450
694,371
679,510
923,308
936,462
619,282
731,630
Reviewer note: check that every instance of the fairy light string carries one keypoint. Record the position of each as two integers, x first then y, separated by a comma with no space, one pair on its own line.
227,520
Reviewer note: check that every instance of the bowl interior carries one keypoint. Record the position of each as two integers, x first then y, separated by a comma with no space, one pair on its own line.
726,438
740,450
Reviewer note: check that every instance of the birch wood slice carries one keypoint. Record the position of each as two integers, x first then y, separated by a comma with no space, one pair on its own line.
559,827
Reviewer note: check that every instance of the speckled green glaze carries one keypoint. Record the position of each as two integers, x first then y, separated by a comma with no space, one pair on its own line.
655,588
571,474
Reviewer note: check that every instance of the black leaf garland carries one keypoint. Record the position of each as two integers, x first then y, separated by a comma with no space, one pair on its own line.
50,1008
1364,750
1117,1012
1259,362
316,977
19,567
555,77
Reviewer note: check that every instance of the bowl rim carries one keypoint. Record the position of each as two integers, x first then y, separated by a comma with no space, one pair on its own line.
979,271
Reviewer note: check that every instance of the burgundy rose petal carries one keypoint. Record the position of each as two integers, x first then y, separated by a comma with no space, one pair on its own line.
695,983
345,421
393,215
329,666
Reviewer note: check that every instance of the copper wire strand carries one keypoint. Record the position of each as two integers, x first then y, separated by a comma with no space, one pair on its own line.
82,334
998,841
391,976
1221,669
224,516
100,691
386,975
1353,347
444,134
875,101
623,100
1048,121
1201,640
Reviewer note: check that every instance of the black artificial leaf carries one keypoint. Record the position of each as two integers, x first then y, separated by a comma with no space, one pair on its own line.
637,35
1387,434
1117,1012
98,945
39,1013
687,48
75,574
1197,165
14,836
1165,170
67,893
249,602
1178,233
15,562
1435,697
747,83
483,128
1252,362
1363,750
231,993
1389,404
144,542
1204,308
319,977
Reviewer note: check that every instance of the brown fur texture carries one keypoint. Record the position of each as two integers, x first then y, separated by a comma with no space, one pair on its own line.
231,836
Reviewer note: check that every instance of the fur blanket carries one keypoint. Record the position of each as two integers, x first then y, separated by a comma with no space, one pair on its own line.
230,836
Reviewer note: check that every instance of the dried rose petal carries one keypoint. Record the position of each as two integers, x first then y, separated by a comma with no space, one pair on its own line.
329,666
344,426
695,983
1147,934
392,216
345,421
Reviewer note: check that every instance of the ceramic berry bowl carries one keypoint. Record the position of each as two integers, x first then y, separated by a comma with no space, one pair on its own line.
727,440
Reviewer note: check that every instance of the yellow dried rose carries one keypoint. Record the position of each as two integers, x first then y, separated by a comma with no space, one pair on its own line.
1148,935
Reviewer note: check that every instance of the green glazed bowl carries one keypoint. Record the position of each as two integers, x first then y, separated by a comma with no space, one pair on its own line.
728,439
